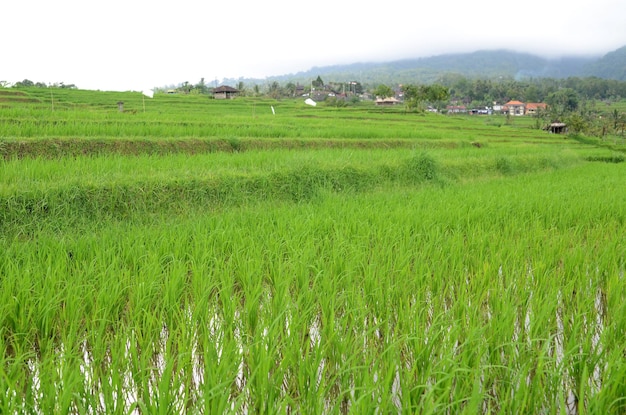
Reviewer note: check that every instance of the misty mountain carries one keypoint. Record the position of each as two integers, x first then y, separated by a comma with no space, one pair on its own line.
610,66
481,64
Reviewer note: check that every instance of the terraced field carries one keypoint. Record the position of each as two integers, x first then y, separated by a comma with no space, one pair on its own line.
189,255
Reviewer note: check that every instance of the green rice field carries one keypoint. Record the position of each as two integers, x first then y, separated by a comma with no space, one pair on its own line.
199,256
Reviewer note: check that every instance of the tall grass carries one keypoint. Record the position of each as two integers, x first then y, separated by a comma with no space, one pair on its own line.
502,295
482,274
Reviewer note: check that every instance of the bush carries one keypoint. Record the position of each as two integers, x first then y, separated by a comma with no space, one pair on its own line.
335,102
420,167
504,166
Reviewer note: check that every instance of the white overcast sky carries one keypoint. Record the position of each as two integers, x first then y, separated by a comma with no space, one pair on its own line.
139,44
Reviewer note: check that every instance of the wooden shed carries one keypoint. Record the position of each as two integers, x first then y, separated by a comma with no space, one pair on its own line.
387,101
557,128
225,92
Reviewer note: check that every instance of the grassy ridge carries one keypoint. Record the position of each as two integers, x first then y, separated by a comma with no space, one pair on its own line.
36,191
76,147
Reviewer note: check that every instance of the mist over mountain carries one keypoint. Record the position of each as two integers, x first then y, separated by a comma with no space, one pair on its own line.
487,64
610,66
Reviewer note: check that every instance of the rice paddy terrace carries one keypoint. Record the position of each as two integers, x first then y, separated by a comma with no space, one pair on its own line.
190,255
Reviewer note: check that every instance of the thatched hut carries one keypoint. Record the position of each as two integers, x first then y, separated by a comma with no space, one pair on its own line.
557,128
225,92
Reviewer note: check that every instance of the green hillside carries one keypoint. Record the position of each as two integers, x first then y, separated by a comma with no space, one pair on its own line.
480,64
610,66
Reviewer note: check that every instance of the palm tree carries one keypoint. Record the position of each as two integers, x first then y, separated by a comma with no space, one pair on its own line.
241,87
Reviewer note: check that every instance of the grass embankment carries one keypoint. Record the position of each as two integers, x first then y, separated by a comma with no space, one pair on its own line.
36,191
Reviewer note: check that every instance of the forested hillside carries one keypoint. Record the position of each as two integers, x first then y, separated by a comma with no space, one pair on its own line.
610,66
481,64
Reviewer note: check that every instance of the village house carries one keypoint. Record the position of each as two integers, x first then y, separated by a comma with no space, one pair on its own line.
497,108
456,109
532,108
520,108
514,108
481,111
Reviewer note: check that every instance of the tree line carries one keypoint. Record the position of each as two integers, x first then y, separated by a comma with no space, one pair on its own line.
27,83
487,91
461,89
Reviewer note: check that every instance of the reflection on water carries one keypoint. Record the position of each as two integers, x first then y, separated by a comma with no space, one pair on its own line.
128,396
